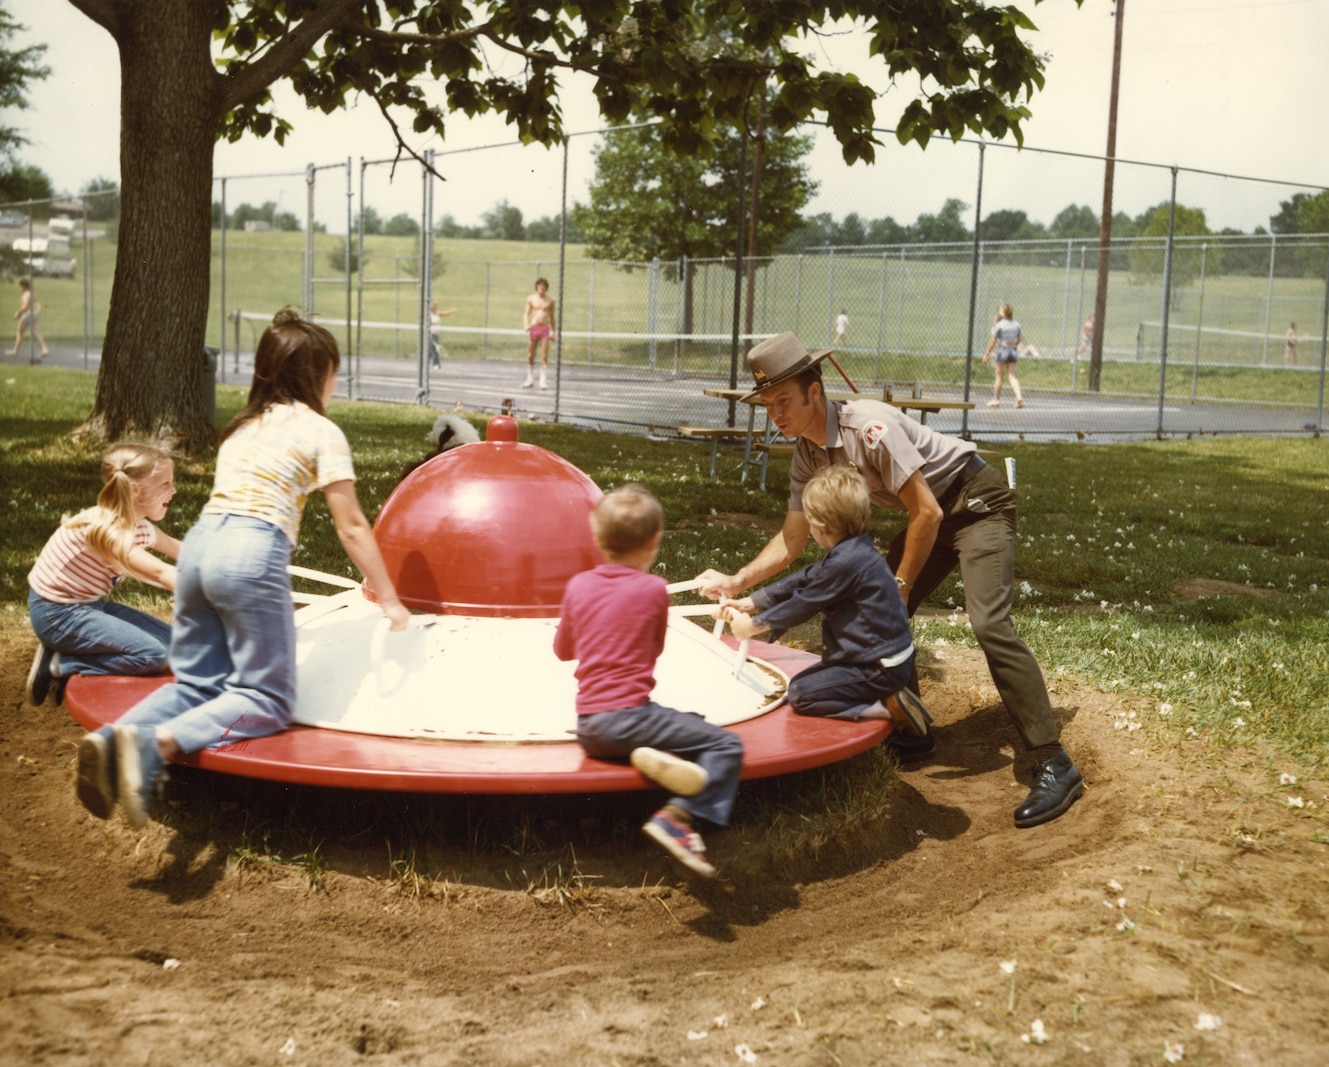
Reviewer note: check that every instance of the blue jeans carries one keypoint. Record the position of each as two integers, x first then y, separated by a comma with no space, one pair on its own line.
682,733
843,690
233,641
100,636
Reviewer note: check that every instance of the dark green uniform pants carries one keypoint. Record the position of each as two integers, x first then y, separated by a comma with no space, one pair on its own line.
978,533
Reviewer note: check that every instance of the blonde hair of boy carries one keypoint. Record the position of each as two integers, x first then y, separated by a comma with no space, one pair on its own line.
836,499
126,468
626,519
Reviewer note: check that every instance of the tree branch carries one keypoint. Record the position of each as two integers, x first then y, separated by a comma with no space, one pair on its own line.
105,13
401,141
252,79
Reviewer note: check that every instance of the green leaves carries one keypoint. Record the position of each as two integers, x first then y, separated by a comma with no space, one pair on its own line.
689,62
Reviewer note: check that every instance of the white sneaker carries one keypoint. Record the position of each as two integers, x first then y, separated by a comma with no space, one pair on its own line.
543,384
681,777
528,382
994,403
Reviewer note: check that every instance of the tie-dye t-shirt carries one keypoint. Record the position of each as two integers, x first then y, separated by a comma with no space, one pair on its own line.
270,465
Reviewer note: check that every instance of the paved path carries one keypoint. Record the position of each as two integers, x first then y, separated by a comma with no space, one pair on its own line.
614,398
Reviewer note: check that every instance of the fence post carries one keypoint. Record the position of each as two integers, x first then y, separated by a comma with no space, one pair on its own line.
881,317
1167,301
360,281
309,240
973,292
1324,346
1199,321
653,305
350,327
221,287
1269,299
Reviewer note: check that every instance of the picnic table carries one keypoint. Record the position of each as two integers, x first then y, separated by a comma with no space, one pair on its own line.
758,446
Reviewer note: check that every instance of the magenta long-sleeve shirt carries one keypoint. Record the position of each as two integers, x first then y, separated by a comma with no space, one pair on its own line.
613,624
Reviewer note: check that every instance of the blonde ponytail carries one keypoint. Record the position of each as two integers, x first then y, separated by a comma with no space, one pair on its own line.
110,525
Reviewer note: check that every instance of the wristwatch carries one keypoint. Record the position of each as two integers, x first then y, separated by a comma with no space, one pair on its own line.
902,584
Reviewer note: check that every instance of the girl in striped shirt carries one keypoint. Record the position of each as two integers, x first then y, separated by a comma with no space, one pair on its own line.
80,630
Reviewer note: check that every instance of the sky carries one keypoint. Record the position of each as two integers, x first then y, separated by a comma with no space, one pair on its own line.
1233,87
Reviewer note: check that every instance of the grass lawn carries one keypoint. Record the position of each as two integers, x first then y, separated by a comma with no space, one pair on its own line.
1194,572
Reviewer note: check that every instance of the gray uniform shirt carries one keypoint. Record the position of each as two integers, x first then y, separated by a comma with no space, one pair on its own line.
882,444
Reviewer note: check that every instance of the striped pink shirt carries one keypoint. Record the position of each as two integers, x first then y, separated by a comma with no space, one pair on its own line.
67,573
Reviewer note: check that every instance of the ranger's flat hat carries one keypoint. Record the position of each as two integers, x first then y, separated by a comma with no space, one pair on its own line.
779,358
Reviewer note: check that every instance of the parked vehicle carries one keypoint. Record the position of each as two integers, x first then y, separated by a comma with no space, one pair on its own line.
49,256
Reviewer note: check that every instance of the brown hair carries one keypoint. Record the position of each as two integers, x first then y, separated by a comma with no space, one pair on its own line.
291,363
626,519
110,525
836,499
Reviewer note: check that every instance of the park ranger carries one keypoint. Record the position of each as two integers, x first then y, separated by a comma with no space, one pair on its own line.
961,511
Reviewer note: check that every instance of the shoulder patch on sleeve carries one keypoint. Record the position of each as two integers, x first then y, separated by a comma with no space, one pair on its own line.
872,433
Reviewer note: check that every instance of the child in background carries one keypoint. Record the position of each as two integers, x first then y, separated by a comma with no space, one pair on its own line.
867,651
79,630
613,623
233,639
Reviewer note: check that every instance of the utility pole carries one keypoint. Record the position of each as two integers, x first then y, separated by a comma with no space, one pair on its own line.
1105,221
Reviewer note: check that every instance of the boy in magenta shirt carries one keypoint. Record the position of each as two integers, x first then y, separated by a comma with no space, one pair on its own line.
613,624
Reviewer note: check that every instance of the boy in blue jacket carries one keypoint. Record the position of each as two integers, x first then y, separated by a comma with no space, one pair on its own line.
867,651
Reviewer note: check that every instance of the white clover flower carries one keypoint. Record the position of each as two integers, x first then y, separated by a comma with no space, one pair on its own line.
1208,1022
288,1049
1037,1034
1125,926
1115,886
1287,779
1295,802
1121,902
1238,722
1007,966
745,1054
1173,1053
720,1022
1165,709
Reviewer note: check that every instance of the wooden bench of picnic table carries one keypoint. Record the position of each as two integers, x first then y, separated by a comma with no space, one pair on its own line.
714,434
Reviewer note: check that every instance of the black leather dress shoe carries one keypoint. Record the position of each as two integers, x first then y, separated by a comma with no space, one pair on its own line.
1057,785
910,749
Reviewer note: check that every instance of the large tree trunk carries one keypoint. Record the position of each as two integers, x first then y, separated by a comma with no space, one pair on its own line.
151,384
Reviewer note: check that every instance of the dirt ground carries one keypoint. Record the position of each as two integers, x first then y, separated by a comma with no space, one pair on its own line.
1177,914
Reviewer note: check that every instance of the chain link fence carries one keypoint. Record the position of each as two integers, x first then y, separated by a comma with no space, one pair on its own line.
1205,332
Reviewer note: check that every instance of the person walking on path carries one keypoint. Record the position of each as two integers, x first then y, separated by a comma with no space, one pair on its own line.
1006,339
27,318
1290,346
435,333
538,321
961,512
1086,338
